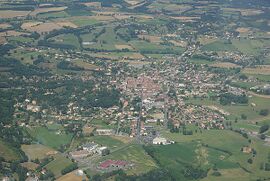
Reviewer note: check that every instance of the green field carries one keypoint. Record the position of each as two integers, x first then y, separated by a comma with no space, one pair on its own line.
49,138
106,141
177,157
36,151
67,39
135,154
8,152
58,164
60,14
219,46
84,22
236,111
250,47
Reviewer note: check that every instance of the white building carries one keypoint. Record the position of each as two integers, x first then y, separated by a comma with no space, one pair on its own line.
159,141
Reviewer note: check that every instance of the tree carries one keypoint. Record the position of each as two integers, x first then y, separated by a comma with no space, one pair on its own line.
250,161
264,112
264,128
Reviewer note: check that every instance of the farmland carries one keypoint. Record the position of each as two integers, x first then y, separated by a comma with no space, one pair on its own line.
49,138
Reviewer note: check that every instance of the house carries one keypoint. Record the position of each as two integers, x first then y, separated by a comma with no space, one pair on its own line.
159,141
246,149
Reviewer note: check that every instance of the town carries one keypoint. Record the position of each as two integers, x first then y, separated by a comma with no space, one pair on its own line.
134,90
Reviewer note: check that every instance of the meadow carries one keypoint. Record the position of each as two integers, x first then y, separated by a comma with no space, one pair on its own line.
135,154
49,138
8,152
58,164
38,151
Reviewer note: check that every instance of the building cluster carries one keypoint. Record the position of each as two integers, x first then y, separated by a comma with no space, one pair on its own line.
89,149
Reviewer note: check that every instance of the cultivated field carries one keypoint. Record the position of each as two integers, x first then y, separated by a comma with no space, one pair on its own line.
12,14
72,176
260,69
46,10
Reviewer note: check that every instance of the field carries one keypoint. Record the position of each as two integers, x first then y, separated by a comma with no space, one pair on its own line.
219,46
262,70
37,151
225,65
46,10
66,39
41,27
135,154
58,164
8,152
177,157
250,47
108,141
49,138
236,111
232,144
72,176
11,14
85,65
30,165
84,21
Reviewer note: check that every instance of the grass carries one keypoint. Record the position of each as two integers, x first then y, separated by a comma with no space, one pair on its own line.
58,164
60,14
102,124
20,39
36,151
106,141
236,111
143,46
244,85
219,46
24,56
85,22
232,143
200,61
106,40
260,77
177,156
246,46
67,39
50,138
134,153
8,152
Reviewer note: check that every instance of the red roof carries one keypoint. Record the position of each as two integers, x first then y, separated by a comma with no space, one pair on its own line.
108,163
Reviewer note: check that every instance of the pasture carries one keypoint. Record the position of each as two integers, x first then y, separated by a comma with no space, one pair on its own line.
260,69
58,164
53,139
37,151
135,154
72,176
12,14
8,152
236,111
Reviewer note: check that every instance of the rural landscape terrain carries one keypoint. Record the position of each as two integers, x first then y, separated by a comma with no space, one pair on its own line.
135,90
